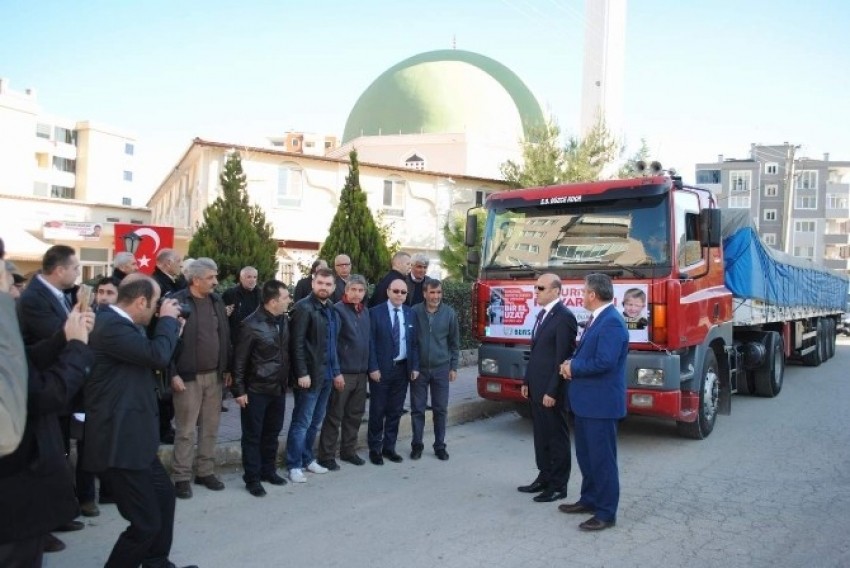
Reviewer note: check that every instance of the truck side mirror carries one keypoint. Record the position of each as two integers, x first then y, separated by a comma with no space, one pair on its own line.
473,258
470,237
709,227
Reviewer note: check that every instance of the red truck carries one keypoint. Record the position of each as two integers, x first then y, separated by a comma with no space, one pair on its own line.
711,310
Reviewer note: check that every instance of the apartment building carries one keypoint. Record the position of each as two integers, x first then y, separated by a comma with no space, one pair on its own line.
300,195
62,182
799,204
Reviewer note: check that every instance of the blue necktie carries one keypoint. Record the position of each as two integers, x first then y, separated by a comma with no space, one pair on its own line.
540,315
396,334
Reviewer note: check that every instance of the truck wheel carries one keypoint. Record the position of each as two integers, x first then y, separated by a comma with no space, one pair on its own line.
813,357
524,409
709,395
768,382
823,339
830,344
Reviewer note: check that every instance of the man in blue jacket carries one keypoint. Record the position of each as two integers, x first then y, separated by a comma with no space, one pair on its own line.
597,397
393,362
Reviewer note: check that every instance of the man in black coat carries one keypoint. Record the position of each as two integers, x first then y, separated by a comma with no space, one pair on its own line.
122,427
36,486
400,269
553,340
125,264
260,374
242,300
167,273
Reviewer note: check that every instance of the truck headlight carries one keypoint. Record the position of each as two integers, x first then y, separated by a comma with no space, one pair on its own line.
489,366
650,377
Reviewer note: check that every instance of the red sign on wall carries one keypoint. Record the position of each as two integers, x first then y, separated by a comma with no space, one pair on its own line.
144,241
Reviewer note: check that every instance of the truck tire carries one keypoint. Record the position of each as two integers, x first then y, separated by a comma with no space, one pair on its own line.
768,382
524,409
831,335
709,391
813,358
823,339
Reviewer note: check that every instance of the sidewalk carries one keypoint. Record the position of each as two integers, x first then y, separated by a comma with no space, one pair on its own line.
464,406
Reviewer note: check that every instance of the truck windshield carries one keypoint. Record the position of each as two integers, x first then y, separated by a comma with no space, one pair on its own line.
630,234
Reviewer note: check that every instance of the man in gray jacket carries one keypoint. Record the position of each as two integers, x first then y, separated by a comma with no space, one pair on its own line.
439,351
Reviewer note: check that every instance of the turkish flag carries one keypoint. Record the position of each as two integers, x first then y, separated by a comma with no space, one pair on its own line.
144,241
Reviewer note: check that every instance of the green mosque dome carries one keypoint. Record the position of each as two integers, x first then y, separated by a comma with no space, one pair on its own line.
445,91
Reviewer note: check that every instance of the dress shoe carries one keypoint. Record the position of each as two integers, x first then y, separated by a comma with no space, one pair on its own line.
70,526
224,408
594,524
255,488
183,489
392,456
329,464
442,454
210,482
273,478
173,565
550,495
52,544
416,452
577,507
535,487
376,458
89,509
353,459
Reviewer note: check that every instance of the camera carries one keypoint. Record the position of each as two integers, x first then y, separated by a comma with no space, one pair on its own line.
185,307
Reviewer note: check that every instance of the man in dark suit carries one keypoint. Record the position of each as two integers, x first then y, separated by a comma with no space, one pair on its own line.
400,268
552,341
393,362
597,377
122,427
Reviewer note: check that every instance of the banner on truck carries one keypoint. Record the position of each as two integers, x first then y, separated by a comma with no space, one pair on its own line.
512,310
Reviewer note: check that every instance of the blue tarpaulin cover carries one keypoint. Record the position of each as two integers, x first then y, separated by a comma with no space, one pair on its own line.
756,271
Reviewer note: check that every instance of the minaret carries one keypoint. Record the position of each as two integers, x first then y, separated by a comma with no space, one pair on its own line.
604,65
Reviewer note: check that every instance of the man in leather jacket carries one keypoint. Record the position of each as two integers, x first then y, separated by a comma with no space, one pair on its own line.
260,373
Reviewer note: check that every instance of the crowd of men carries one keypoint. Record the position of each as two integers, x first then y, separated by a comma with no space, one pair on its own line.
138,361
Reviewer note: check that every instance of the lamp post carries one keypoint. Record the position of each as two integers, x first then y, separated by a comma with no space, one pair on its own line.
131,242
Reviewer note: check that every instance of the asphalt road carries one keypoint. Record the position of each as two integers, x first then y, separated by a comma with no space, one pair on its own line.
769,487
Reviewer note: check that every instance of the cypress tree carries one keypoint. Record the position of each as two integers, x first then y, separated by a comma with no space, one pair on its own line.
353,230
235,233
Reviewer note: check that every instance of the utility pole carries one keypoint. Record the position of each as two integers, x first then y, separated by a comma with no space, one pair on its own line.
791,150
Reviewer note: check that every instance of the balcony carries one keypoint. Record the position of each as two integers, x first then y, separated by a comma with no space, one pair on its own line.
836,239
842,264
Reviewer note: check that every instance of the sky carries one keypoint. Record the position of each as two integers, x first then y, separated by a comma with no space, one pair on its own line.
702,78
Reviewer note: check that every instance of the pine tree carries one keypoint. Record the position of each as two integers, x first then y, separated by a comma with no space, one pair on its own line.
234,232
354,232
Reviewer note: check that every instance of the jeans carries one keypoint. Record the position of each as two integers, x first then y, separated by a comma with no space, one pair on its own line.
262,421
307,417
438,381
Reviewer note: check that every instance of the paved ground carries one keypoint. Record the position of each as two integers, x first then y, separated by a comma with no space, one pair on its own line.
768,489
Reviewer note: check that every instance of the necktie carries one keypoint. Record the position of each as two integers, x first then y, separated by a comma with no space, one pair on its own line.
66,301
396,334
540,315
589,321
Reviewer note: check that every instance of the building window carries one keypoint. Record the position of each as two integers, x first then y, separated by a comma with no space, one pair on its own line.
43,131
534,234
481,196
415,162
804,226
769,215
708,176
769,239
61,192
771,168
526,247
836,201
804,252
739,181
129,149
113,220
327,145
771,190
128,175
65,135
64,164
309,144
289,186
126,201
739,202
807,179
393,200
295,142
806,202
136,221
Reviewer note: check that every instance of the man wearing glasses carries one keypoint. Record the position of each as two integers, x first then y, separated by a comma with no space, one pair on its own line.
552,341
393,362
342,271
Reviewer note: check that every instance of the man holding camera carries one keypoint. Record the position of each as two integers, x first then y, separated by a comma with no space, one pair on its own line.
122,427
196,378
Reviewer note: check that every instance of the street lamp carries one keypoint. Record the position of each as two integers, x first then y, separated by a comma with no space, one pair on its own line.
131,242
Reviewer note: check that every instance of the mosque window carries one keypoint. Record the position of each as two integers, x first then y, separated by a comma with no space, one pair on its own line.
415,162
393,200
289,186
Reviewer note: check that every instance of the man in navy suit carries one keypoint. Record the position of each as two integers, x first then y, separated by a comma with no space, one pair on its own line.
552,341
393,361
597,376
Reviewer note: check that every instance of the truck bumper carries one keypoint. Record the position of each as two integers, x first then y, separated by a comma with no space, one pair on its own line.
500,389
678,405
